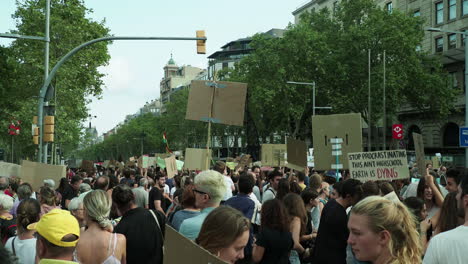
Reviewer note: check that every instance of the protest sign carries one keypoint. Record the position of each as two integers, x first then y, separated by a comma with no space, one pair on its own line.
106,164
196,159
420,157
145,162
35,173
274,155
325,127
180,164
435,162
232,165
378,165
171,166
175,243
152,161
297,154
87,165
224,104
9,169
161,163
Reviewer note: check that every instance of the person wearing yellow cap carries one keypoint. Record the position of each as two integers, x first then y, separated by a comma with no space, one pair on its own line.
57,234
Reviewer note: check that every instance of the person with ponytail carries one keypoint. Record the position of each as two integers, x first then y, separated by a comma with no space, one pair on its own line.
383,231
97,243
23,246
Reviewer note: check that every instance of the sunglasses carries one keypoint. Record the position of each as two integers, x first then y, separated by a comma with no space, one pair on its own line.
200,192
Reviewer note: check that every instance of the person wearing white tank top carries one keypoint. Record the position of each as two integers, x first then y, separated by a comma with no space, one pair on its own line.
97,243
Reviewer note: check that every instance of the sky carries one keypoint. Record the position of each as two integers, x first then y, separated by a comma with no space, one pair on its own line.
136,67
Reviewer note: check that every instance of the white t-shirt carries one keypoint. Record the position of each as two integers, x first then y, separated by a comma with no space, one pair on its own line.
229,186
25,249
166,189
448,247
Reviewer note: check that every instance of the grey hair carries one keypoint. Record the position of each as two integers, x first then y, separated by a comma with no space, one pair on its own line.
75,204
6,202
4,186
98,205
24,191
143,182
84,187
49,183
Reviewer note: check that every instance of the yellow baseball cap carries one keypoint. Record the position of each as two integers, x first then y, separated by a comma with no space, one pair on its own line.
55,225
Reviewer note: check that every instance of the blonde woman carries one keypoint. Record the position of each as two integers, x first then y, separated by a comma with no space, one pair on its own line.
383,231
98,244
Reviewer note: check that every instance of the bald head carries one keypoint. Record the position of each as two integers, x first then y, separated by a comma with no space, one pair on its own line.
102,183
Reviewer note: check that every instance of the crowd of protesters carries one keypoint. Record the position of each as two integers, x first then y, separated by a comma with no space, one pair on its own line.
243,215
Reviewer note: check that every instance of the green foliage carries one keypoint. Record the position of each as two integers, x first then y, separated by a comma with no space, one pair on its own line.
23,67
333,52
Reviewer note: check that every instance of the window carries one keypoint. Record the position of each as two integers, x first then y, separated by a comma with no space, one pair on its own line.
418,48
439,18
453,80
389,7
417,13
452,41
465,7
452,5
439,44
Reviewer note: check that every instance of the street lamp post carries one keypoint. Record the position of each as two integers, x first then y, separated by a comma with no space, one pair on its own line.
465,34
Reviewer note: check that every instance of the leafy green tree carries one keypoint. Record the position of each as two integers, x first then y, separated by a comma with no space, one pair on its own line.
75,81
332,51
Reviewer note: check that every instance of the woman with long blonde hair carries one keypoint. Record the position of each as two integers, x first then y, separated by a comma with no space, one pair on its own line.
98,244
383,231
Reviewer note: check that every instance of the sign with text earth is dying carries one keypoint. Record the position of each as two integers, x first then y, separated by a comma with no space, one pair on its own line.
378,165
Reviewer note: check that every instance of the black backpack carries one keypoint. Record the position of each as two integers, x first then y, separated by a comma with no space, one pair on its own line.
7,229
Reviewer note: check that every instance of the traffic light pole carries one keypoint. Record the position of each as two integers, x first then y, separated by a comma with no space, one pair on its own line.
45,87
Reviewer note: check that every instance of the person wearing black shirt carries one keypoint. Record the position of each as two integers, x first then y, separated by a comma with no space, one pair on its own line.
143,230
71,190
332,236
156,197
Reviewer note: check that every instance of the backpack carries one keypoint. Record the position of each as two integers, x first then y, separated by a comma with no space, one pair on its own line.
7,229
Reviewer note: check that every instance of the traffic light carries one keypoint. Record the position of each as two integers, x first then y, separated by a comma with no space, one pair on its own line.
49,122
201,44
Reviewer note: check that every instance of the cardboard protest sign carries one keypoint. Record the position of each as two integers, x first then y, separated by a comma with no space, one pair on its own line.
171,166
195,159
87,165
175,243
420,157
435,162
273,155
325,127
9,169
378,165
297,154
227,104
35,173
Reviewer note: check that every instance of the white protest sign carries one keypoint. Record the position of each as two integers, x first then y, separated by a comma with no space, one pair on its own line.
378,165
